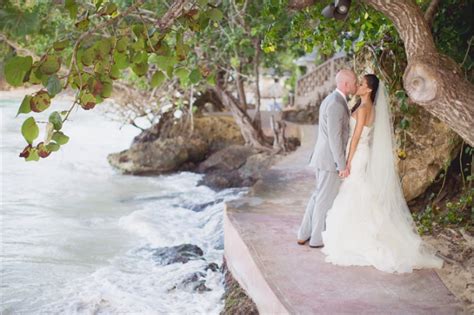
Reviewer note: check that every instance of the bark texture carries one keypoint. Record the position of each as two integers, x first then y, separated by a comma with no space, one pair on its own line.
252,136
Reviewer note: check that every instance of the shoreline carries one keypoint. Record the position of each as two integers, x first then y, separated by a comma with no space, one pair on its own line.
455,275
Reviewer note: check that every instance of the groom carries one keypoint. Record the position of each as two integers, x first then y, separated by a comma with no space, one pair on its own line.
330,158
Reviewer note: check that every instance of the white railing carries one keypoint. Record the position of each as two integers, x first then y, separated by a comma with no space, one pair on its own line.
312,87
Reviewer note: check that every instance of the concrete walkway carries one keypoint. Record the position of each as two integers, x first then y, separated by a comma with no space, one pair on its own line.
285,278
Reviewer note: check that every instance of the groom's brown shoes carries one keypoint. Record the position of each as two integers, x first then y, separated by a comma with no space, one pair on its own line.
302,242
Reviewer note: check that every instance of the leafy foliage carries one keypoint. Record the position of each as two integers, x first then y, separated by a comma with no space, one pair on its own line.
87,45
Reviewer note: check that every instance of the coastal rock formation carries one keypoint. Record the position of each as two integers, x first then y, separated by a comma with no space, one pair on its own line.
160,156
174,145
234,166
177,254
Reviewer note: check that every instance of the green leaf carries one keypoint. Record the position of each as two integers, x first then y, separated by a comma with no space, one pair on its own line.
87,57
50,65
16,69
114,72
122,44
30,130
404,123
106,90
83,24
71,6
25,106
140,69
400,94
60,138
163,62
211,79
121,60
33,156
182,74
53,85
195,76
157,79
102,48
60,45
215,14
108,9
87,101
56,120
40,101
140,57
35,75
52,147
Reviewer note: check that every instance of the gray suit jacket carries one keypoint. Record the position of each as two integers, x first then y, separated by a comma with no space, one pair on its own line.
333,134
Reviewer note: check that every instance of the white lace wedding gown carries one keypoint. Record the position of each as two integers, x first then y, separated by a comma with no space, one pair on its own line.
361,231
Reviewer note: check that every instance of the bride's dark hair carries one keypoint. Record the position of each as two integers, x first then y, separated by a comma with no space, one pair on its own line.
373,84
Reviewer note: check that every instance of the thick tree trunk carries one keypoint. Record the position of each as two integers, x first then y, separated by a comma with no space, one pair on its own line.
431,79
240,88
251,135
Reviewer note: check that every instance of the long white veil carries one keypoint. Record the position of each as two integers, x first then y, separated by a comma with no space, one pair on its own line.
384,184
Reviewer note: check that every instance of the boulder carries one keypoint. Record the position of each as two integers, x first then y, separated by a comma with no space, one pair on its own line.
234,166
159,156
228,159
430,145
170,145
177,254
307,115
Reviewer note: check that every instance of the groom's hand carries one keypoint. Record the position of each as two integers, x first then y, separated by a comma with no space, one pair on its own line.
344,173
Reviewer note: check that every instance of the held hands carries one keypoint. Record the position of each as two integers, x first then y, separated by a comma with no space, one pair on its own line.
343,174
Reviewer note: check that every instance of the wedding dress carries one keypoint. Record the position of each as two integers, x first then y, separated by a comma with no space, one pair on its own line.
369,222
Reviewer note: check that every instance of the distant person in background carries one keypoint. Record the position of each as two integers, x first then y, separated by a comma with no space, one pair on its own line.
275,91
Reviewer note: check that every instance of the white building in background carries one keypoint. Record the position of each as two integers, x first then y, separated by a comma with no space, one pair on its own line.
272,91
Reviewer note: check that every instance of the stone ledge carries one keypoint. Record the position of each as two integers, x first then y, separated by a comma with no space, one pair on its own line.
284,278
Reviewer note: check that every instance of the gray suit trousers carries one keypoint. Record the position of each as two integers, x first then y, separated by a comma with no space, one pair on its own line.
314,219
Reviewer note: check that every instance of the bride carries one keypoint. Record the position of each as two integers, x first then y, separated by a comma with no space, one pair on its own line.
369,222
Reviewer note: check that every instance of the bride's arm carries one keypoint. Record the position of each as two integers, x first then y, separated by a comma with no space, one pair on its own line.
361,117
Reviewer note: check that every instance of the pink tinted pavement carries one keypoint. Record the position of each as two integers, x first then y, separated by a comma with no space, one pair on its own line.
283,277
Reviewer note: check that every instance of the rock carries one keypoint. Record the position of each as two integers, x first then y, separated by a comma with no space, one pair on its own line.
168,146
213,266
307,115
199,207
256,165
430,145
181,253
231,158
236,300
221,180
160,156
195,282
234,166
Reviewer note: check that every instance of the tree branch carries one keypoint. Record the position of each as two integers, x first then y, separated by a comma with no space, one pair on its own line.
174,12
431,11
